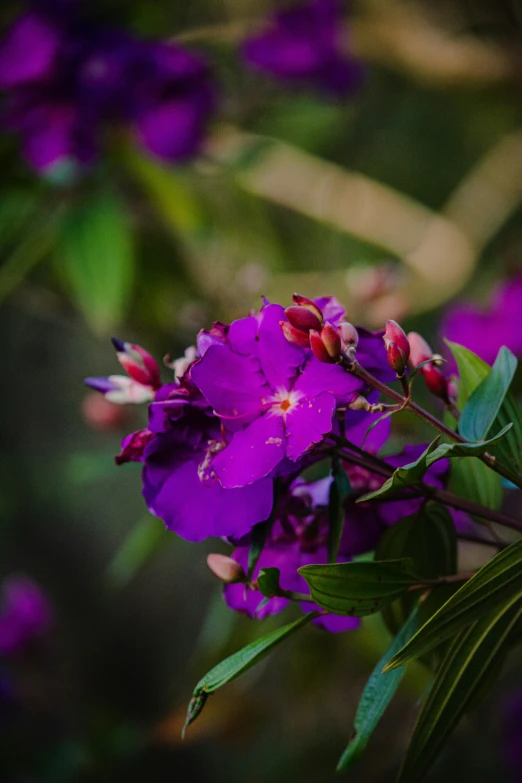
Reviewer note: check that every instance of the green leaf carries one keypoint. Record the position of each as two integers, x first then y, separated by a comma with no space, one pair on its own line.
268,581
376,696
97,257
413,473
473,480
340,489
238,663
486,399
428,538
496,583
472,371
408,475
470,658
357,589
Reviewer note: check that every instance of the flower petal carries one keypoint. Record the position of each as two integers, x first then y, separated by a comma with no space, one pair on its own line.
320,377
252,453
307,423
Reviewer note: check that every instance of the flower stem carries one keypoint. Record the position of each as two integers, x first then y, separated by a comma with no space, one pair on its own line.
409,405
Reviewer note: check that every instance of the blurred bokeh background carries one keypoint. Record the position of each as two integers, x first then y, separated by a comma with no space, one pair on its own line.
399,199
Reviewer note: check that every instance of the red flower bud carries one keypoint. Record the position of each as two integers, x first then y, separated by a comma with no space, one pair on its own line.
138,363
295,336
303,318
396,334
326,344
436,382
226,569
303,301
133,447
420,351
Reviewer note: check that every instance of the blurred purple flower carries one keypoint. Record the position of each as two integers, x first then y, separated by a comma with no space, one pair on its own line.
303,45
25,614
67,80
484,330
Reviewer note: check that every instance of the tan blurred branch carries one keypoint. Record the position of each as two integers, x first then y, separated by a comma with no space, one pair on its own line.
439,251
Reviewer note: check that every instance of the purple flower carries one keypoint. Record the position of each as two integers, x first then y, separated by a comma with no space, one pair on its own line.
180,487
67,79
302,45
277,400
25,614
484,330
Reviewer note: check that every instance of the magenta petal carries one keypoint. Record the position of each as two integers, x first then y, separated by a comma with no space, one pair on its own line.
28,51
307,423
318,376
173,130
233,385
334,623
252,453
251,602
196,511
279,358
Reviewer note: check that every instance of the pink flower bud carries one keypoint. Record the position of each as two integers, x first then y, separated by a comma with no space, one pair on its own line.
138,363
121,390
103,415
396,334
303,301
295,336
303,318
226,569
420,351
436,382
349,335
326,344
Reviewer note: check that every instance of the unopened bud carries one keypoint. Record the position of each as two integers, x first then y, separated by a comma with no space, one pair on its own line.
359,404
138,363
101,414
420,351
121,390
295,336
349,335
397,347
303,318
326,344
303,301
436,382
133,447
226,569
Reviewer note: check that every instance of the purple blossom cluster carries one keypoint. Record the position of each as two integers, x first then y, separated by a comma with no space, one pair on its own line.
67,79
254,404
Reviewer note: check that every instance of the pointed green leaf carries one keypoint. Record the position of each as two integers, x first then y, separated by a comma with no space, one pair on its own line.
492,586
471,657
409,474
377,694
339,490
486,399
452,450
357,589
238,663
472,371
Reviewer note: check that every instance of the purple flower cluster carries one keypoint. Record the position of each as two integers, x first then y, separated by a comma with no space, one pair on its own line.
67,80
25,614
302,45
250,409
484,330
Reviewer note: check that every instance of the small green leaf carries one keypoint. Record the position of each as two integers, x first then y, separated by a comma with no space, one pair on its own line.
238,663
452,450
377,694
496,583
471,657
340,489
403,477
268,581
357,589
97,257
486,399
